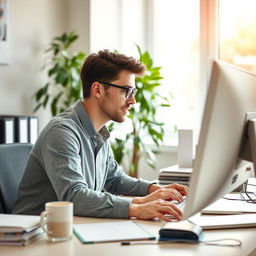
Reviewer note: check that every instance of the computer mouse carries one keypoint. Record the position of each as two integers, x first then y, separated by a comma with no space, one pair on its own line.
181,230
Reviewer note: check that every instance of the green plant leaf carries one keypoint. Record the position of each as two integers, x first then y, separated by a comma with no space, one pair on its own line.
38,106
42,91
63,69
46,100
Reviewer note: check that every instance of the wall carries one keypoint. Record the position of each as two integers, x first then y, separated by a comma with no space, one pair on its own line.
167,157
79,20
33,23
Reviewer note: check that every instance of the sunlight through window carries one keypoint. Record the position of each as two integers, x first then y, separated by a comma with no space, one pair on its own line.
237,32
176,49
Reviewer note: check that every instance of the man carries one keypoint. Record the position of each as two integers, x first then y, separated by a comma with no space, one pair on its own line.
72,159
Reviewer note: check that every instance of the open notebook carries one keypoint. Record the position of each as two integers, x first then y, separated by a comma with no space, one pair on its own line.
112,231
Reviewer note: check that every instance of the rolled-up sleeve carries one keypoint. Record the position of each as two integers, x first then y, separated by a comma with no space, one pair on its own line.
118,182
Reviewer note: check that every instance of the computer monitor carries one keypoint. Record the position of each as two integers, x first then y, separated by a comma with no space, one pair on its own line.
223,156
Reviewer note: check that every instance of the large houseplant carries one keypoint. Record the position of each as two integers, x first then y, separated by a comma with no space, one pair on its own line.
143,118
64,85
64,88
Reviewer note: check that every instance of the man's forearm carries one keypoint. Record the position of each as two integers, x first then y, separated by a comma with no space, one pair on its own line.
153,187
141,200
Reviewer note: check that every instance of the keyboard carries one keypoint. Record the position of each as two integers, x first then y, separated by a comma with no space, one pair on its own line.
179,205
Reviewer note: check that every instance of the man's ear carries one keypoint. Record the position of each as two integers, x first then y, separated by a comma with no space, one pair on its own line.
97,89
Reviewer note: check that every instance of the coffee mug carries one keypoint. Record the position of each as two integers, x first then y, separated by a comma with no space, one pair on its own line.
57,221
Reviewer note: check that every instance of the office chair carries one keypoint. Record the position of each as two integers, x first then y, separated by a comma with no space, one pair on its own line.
13,160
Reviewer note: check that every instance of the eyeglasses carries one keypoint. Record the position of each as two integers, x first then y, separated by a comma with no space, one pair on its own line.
249,197
129,91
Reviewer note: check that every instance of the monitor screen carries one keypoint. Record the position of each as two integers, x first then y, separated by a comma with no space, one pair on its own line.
218,168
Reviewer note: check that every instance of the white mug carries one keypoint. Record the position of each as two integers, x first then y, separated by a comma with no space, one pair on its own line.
57,221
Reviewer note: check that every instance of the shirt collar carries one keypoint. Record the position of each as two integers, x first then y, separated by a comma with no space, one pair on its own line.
87,122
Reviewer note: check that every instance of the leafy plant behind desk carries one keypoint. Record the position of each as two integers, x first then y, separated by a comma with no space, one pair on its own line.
143,119
64,86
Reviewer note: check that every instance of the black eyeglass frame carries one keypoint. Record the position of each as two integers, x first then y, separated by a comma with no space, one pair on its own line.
129,91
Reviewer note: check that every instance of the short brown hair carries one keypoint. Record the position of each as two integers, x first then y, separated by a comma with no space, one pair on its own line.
106,66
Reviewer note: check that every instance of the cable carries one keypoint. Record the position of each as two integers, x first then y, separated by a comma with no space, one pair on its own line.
251,200
217,242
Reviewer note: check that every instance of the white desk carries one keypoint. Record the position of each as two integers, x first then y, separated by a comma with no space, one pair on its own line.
76,248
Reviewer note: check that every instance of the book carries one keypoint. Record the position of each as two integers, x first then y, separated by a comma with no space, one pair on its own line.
19,230
175,170
174,174
21,241
18,223
20,238
113,231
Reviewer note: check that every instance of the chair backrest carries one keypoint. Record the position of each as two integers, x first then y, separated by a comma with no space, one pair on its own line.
13,160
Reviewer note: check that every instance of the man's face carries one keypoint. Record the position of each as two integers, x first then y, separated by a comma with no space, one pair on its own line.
114,104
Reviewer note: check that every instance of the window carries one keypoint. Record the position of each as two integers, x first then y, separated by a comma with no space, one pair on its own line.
176,49
237,32
169,30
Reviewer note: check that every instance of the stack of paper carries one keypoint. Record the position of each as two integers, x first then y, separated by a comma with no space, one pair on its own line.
174,174
19,230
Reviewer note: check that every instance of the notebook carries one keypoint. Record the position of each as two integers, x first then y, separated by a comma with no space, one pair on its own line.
18,223
113,231
225,206
208,222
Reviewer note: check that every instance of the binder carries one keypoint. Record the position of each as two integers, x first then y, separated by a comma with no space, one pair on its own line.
6,130
21,129
32,129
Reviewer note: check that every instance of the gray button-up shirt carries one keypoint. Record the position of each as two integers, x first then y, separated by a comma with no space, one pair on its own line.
72,162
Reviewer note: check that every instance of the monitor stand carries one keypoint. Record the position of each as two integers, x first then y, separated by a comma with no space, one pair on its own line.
248,146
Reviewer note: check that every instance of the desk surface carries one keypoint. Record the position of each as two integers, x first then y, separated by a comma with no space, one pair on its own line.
75,248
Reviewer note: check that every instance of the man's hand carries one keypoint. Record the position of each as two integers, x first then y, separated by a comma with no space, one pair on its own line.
183,189
167,193
155,209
